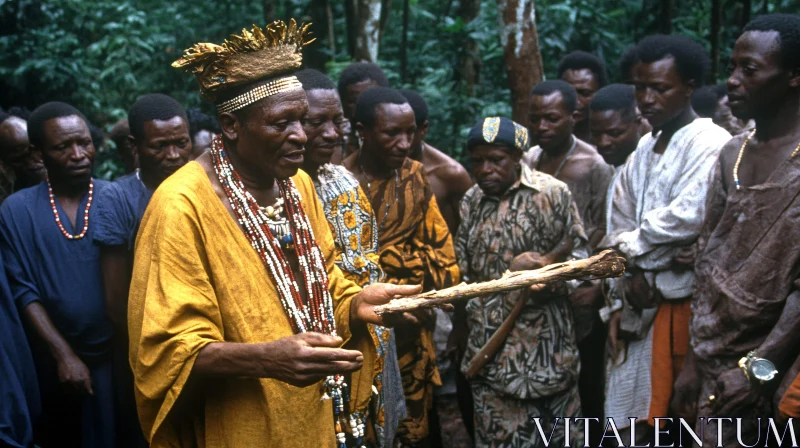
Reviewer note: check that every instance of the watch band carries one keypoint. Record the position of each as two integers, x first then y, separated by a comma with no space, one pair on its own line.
744,364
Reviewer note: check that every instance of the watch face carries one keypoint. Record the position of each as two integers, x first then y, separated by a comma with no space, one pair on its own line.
763,369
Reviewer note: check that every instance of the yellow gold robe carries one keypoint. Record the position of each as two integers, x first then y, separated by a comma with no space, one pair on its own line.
197,280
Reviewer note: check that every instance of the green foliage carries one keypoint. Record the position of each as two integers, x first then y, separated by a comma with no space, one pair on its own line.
100,55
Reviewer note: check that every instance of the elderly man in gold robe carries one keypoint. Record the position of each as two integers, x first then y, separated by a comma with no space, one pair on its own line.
237,310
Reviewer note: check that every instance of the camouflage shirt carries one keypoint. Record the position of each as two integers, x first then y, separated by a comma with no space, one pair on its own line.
540,355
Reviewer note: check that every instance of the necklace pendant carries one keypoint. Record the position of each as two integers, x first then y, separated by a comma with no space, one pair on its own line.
287,242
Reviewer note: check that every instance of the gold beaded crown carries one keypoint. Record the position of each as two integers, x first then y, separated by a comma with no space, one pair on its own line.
255,55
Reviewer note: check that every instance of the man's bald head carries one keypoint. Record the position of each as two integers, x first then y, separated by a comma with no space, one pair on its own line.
14,123
14,144
17,152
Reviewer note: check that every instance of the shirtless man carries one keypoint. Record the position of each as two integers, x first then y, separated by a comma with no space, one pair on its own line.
560,154
746,303
449,180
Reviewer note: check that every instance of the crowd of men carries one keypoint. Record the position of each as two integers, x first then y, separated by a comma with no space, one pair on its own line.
222,292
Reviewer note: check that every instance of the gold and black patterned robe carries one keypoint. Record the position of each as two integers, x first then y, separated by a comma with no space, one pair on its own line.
415,249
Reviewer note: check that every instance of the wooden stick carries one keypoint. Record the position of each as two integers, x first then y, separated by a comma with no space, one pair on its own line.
606,264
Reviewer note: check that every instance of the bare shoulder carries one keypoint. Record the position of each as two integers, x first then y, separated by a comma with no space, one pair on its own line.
586,152
447,170
585,160
443,164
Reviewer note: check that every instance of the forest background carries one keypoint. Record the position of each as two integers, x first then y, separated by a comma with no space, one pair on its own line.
468,58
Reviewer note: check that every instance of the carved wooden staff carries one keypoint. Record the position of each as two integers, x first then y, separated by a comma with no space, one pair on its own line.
603,265
606,264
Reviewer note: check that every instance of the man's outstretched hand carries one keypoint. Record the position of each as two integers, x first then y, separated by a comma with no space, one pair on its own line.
362,308
306,358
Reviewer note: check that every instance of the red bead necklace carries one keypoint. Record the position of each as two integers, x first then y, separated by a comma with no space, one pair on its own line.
317,313
85,212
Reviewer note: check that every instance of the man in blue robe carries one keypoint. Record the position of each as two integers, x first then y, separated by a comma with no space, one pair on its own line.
160,142
55,280
19,393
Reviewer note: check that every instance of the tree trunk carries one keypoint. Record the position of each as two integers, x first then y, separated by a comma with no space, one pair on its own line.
665,20
716,31
368,30
523,60
404,43
470,62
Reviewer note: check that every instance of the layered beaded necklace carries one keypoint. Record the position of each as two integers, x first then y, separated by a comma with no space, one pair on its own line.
268,232
741,153
85,212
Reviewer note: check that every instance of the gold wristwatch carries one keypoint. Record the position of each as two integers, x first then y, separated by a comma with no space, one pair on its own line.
757,368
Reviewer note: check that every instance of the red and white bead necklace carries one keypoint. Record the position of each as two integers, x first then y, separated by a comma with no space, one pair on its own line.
315,315
85,212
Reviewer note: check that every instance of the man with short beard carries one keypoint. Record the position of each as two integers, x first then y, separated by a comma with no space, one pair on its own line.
415,244
54,272
355,235
658,208
746,306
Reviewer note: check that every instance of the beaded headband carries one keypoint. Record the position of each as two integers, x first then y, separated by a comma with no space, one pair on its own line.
259,53
259,93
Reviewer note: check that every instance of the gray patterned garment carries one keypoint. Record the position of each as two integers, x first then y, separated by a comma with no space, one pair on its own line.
540,357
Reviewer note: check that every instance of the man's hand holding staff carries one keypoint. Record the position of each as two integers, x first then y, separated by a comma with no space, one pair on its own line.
606,264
